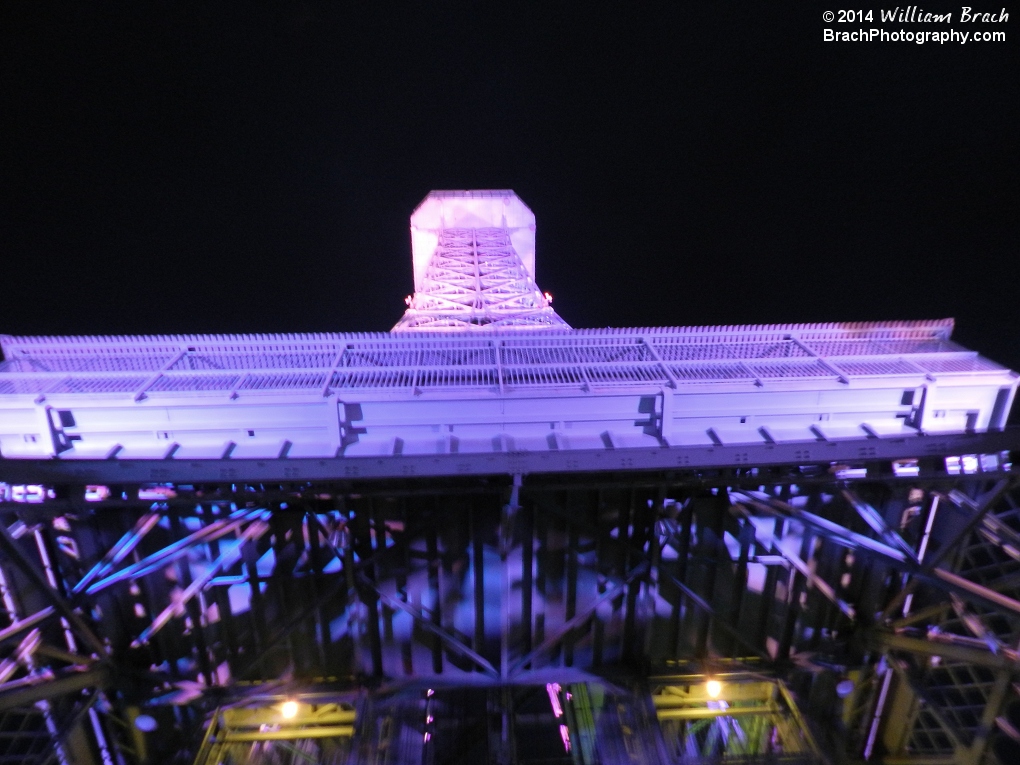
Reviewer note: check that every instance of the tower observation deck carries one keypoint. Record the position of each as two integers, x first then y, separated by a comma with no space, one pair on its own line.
486,536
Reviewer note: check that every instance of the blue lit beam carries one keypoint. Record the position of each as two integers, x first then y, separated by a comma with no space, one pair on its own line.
119,551
226,560
172,552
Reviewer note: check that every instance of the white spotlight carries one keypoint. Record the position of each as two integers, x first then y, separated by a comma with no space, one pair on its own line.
289,709
714,688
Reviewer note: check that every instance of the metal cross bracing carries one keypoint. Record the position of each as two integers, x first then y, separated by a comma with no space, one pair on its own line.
476,280
474,266
867,618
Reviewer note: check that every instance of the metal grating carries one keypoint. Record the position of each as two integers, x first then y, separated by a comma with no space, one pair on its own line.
973,363
309,381
626,373
961,692
790,369
543,376
99,385
711,351
372,357
877,368
920,345
582,354
97,363
705,373
461,378
184,382
24,385
850,347
24,738
400,378
439,357
203,361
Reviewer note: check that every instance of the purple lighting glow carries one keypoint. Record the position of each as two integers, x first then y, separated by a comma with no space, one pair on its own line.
480,364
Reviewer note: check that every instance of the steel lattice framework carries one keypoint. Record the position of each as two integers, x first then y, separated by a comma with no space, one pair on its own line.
396,608
468,272
475,280
528,545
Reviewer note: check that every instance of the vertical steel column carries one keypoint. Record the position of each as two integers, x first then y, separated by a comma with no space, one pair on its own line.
710,525
478,572
527,564
629,596
257,612
320,626
506,532
407,647
571,605
434,565
768,592
598,627
221,597
740,580
362,532
793,611
541,527
683,557
194,612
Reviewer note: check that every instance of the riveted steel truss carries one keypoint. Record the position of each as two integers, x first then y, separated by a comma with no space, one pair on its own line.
849,612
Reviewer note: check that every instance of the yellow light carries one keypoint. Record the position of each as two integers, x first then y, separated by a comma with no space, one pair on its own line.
289,709
714,688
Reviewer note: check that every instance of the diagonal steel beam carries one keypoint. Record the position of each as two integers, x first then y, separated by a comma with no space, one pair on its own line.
955,650
816,581
28,567
119,551
19,626
569,626
172,552
22,655
834,531
975,754
974,591
67,728
730,630
430,626
981,508
875,520
226,560
928,572
63,682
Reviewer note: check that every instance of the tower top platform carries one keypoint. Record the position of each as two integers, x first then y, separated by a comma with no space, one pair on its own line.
486,208
474,265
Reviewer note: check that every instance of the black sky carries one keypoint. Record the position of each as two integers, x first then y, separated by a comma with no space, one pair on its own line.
170,168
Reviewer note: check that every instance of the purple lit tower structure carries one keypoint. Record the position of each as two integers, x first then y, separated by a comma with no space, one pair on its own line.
486,536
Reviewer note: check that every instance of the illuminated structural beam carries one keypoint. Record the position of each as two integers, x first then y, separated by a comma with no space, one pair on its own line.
64,682
292,734
704,713
954,651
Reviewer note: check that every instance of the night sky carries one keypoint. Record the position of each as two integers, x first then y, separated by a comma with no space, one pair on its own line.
169,168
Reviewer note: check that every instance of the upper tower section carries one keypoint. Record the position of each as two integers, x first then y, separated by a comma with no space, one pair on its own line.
474,265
